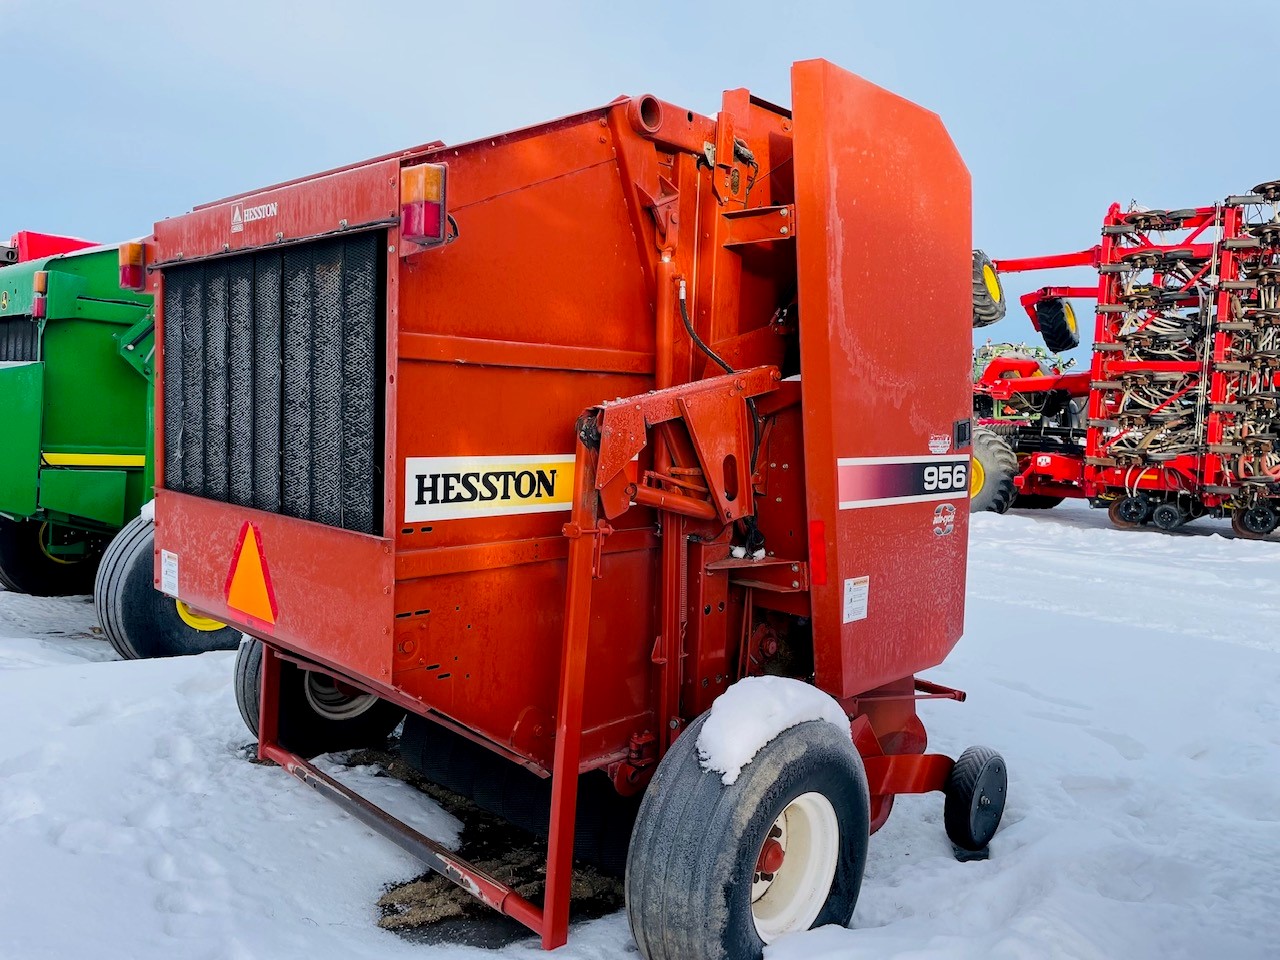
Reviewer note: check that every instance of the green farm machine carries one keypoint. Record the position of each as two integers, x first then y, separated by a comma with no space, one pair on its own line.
76,401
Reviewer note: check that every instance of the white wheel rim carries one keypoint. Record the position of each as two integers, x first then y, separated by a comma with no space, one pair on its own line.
809,834
330,702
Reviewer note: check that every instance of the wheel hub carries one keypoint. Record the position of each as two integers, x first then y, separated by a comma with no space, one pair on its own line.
795,867
335,701
1261,519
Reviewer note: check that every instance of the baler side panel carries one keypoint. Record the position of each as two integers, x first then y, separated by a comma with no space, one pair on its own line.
21,393
883,217
503,339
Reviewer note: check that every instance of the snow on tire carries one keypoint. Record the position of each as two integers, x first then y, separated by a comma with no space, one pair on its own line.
719,871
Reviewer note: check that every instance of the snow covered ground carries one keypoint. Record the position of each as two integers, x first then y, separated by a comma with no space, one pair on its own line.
1139,713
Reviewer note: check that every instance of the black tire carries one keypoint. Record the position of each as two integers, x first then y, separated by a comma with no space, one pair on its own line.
138,620
1058,326
26,568
1036,501
991,486
975,793
303,729
695,846
988,291
1129,513
1254,523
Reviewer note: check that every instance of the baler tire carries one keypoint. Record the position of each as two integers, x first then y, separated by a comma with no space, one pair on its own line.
302,728
975,795
1058,326
1036,501
988,292
26,568
995,463
692,862
139,621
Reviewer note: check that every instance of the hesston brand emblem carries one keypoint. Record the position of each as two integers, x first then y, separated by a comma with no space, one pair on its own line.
240,214
248,588
455,488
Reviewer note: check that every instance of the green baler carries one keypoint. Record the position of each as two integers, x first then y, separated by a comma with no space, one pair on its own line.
76,401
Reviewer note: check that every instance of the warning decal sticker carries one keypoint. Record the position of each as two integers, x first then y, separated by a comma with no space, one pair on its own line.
248,590
456,488
883,481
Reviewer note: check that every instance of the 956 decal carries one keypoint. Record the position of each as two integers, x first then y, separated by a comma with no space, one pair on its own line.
883,481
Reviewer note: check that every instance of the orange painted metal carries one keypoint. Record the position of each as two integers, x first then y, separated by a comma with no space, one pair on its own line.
823,257
884,215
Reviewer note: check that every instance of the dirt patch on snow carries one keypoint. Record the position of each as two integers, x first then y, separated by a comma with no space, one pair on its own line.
430,909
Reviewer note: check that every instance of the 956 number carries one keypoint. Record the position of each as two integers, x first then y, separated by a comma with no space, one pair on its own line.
946,477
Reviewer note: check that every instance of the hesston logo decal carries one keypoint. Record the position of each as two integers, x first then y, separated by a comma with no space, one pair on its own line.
456,488
240,214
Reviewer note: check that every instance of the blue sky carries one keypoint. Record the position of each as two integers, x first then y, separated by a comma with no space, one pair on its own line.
119,114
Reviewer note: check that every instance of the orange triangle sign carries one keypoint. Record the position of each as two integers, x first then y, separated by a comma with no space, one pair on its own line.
249,590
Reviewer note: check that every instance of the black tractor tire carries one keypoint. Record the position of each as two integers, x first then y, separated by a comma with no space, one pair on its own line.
1058,326
696,844
988,291
991,473
139,620
1036,501
25,567
350,720
975,795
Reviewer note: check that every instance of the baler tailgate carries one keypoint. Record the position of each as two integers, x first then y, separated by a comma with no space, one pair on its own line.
882,209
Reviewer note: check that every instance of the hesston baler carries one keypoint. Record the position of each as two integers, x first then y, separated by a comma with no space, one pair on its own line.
375,459
1181,394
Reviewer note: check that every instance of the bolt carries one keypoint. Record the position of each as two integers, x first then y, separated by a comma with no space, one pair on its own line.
784,212
795,584
783,230
674,724
786,466
984,801
795,568
777,499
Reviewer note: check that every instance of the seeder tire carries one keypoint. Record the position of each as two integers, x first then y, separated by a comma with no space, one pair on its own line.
139,621
988,292
1036,501
25,567
1058,326
1257,523
993,467
1124,514
692,890
975,794
316,714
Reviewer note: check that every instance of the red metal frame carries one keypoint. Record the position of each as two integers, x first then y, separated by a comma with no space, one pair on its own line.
583,241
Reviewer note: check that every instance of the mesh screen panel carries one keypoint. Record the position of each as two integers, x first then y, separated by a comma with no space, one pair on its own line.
271,380
18,339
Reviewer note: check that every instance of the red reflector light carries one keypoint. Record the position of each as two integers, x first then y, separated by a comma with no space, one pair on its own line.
423,213
133,266
38,307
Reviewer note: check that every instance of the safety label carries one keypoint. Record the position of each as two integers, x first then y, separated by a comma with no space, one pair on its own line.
456,488
169,573
856,592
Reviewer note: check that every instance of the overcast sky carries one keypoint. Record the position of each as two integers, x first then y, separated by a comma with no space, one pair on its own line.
119,114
